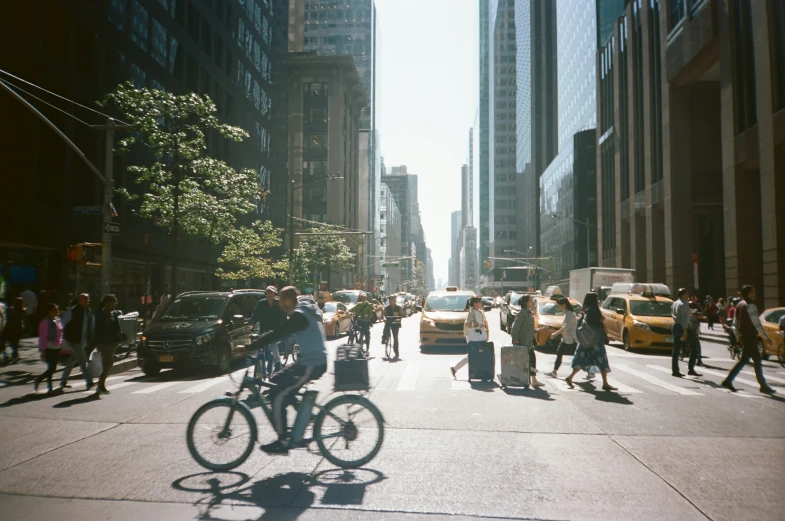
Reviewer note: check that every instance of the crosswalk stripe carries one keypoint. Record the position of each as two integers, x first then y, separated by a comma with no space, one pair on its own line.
110,387
460,385
154,388
768,377
409,378
81,383
212,382
724,375
560,385
656,381
622,387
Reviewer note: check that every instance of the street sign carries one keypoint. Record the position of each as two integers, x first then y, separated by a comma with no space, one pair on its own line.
110,227
87,210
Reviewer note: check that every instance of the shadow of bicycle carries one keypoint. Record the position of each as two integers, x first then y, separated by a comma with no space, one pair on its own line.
284,497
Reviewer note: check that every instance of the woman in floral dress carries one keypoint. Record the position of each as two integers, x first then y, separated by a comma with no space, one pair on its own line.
587,356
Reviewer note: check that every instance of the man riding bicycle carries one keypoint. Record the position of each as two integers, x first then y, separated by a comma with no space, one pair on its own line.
365,315
391,324
305,324
269,315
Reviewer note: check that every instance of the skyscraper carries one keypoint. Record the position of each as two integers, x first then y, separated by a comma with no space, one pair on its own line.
484,135
349,27
455,248
503,224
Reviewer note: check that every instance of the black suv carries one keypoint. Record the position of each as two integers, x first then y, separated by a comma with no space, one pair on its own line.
200,327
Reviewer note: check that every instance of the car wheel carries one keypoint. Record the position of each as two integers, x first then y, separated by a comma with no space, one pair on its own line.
223,359
151,369
625,338
762,350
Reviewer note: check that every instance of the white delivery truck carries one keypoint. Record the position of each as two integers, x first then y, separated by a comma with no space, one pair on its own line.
600,280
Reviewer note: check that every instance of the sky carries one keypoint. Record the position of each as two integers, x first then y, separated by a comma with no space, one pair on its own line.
428,61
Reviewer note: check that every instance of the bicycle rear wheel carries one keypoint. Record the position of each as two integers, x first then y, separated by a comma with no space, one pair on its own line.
781,355
221,435
388,349
349,431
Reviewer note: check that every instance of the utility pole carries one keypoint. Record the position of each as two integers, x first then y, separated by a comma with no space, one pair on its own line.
291,234
106,251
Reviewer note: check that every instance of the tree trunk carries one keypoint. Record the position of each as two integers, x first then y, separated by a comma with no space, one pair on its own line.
174,290
329,274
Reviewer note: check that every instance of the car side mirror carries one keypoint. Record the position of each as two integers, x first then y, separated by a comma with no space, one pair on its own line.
621,311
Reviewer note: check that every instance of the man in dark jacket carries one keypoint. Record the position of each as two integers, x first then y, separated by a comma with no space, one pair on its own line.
749,327
269,315
78,334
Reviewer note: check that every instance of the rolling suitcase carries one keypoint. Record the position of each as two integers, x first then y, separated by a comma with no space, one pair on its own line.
515,367
482,362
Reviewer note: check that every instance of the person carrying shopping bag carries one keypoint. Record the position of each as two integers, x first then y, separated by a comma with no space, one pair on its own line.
50,337
107,338
78,334
475,329
591,352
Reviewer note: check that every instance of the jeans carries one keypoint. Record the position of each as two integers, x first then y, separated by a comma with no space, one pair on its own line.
52,356
750,351
394,330
288,382
560,352
272,356
695,344
77,355
678,331
107,360
365,333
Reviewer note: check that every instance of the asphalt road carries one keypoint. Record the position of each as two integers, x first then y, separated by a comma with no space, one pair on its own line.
660,448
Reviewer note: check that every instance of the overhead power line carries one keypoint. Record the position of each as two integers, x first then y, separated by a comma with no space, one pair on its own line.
19,89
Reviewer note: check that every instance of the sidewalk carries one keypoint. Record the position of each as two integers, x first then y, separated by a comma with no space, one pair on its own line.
31,365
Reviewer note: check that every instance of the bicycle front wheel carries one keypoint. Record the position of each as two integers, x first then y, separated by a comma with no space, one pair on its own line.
349,431
388,349
781,355
221,435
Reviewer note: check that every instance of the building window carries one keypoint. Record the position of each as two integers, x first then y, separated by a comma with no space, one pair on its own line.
317,116
175,59
156,85
138,77
315,90
677,12
116,14
160,40
743,65
139,25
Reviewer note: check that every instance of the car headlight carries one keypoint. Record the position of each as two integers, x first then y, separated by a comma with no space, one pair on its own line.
428,322
641,325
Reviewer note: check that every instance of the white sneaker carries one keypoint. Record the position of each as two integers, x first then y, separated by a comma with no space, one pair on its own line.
590,376
552,374
537,383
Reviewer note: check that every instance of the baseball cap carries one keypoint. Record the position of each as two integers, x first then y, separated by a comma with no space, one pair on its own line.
272,288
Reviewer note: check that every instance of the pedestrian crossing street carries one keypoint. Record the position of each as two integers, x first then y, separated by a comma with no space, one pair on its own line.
424,373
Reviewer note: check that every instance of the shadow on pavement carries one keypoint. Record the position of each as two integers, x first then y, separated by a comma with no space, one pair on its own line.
28,398
77,401
9,378
602,395
284,496
538,393
458,349
487,387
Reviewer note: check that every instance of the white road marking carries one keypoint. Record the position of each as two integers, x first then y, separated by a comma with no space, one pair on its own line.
212,382
460,385
409,378
724,375
622,387
155,388
558,384
656,381
110,387
768,377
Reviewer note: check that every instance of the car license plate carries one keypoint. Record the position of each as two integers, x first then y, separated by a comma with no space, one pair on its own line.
668,339
166,358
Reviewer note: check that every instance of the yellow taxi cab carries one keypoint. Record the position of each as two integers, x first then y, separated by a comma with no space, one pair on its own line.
639,319
443,316
770,319
548,318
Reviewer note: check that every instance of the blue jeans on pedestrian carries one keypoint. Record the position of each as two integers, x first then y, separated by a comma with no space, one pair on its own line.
365,333
678,331
272,355
78,355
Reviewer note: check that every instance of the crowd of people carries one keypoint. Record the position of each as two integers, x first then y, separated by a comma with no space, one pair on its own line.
737,315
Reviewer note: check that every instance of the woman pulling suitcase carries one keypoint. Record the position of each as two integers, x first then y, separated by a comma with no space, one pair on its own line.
523,334
476,331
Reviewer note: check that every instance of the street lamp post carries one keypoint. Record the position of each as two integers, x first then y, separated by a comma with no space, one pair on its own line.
294,187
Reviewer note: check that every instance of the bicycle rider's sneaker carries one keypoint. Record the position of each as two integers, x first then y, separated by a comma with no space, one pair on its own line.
276,447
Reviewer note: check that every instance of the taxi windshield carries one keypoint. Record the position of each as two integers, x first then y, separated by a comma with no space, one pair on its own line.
447,303
550,308
645,308
330,307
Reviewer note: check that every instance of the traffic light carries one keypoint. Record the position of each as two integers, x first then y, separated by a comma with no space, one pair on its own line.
85,253
415,263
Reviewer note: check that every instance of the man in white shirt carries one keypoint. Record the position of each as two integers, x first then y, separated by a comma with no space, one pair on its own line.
568,330
31,308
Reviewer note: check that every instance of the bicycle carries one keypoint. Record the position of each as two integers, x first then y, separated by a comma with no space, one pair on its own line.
223,431
734,346
291,350
388,340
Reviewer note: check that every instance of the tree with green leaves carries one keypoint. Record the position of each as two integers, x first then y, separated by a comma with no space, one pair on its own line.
247,254
186,192
321,253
